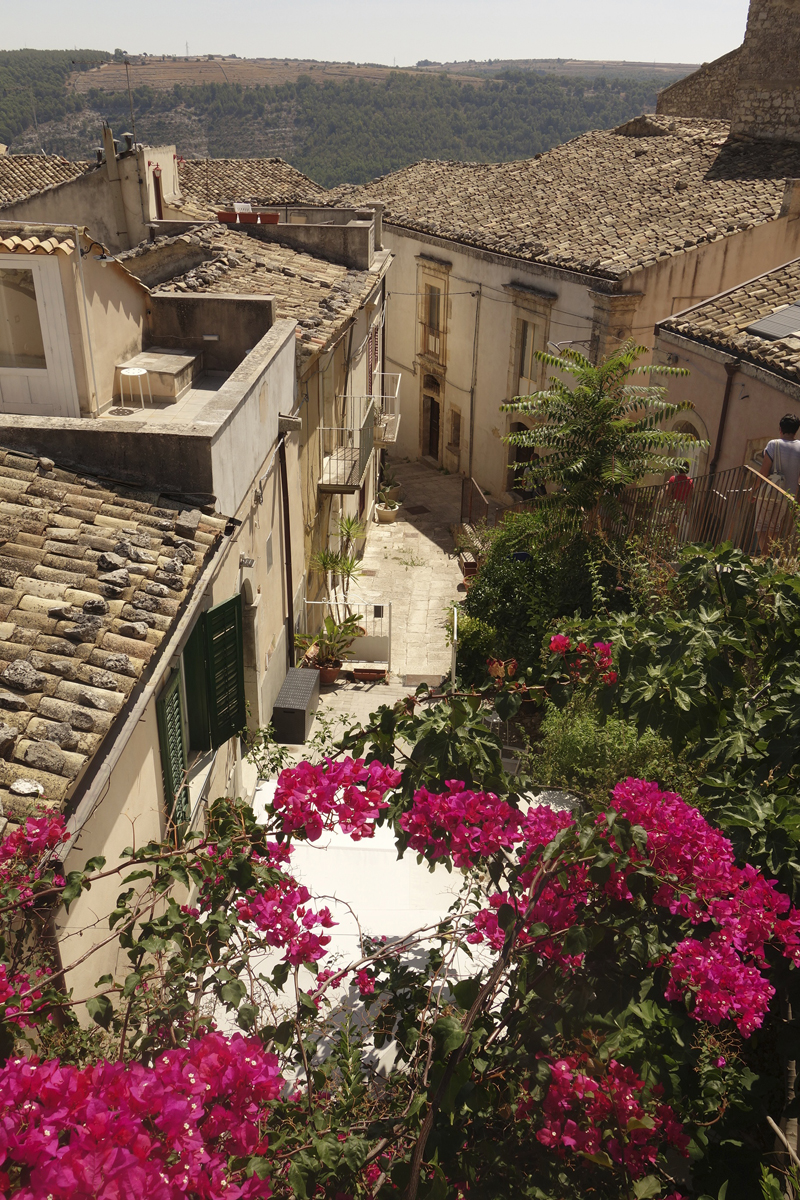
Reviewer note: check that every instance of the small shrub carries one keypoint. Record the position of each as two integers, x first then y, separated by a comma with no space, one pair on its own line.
580,753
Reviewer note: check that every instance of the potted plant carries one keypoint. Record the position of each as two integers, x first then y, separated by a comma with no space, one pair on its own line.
326,649
386,509
390,488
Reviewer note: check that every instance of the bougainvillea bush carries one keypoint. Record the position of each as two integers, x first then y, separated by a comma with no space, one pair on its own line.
624,964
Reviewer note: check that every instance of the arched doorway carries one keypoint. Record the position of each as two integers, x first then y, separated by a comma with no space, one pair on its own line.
431,417
518,457
696,456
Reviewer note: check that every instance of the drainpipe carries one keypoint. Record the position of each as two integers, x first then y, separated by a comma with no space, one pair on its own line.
730,370
86,316
474,376
287,541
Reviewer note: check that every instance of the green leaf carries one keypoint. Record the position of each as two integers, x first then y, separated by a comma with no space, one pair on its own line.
645,1188
131,983
355,1152
466,991
602,1159
448,1034
298,1181
505,915
101,1010
233,991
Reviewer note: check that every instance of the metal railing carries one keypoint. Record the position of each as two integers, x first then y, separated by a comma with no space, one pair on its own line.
387,408
730,506
375,618
474,505
345,452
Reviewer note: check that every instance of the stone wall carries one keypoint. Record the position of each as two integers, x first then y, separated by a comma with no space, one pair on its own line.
707,93
757,87
767,104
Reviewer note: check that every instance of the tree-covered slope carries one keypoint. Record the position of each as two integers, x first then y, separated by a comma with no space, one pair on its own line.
336,132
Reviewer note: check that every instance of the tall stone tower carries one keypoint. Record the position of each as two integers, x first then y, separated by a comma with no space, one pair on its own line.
757,87
766,103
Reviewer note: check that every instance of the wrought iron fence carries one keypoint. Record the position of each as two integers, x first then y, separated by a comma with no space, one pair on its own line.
730,506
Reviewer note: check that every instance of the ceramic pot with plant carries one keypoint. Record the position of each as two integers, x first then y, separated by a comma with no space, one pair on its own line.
387,510
329,646
390,488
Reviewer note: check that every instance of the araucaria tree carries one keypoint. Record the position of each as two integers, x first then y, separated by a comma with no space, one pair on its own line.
601,435
623,963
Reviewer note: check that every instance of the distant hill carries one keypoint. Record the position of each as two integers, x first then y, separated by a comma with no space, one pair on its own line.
337,122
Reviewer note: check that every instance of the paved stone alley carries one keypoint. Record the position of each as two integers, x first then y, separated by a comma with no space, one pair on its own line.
409,564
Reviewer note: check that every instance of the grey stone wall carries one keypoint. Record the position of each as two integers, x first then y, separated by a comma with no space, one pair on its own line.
708,93
767,104
757,87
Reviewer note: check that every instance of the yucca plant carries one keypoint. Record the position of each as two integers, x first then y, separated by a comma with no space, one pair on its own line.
601,435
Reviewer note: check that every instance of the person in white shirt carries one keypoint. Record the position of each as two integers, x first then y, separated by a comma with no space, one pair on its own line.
781,462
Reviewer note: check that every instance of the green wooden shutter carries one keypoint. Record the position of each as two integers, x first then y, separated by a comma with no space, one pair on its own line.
195,678
225,666
173,751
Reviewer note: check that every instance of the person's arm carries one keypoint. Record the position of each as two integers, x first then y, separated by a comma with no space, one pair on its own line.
766,465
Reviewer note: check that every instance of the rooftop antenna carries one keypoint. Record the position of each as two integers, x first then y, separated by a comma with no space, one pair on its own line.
187,50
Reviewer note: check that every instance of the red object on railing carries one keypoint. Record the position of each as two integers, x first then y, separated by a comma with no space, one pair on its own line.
269,218
228,218
246,218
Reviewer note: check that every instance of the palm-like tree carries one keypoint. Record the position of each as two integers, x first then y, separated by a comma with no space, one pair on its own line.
599,436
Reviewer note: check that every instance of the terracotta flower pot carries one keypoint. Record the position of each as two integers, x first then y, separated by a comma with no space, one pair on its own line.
392,493
369,674
387,515
269,218
228,218
329,674
250,218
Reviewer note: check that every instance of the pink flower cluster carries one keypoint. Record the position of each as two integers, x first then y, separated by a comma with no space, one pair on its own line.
462,825
345,793
121,1129
280,912
721,973
595,1108
585,662
720,976
23,850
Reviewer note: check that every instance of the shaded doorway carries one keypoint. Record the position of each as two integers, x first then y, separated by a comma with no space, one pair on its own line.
431,417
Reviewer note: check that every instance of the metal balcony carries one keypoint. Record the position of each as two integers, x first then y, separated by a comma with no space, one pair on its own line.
387,410
345,451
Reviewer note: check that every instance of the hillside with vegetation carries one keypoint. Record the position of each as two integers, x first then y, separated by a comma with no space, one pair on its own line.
336,130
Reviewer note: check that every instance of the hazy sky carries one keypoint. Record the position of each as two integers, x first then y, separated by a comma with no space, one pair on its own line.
386,31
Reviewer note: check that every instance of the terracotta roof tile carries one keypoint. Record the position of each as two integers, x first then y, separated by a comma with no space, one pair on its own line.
13,244
606,203
206,184
723,321
23,174
322,296
75,637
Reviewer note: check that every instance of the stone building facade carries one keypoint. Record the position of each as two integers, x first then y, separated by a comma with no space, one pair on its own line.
757,86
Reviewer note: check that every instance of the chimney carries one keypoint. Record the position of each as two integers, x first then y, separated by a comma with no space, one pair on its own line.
791,200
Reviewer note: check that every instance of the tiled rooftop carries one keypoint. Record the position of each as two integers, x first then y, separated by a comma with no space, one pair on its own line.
23,174
14,244
93,577
321,296
208,183
722,321
606,203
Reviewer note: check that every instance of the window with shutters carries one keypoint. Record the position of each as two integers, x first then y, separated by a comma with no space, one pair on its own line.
208,703
169,711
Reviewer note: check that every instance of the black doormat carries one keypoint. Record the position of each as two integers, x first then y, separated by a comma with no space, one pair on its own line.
417,510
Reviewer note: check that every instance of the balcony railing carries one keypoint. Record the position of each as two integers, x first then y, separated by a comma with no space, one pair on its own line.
345,451
386,396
